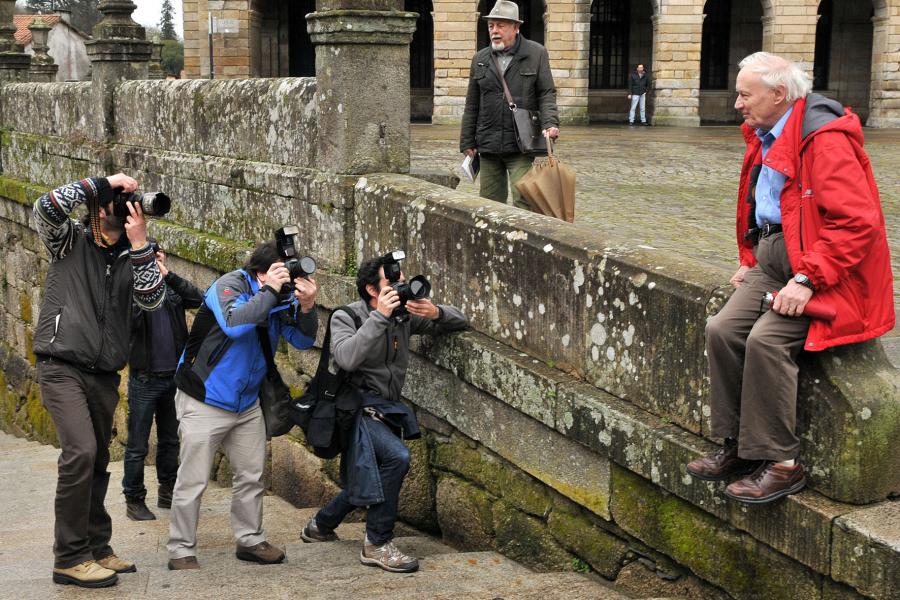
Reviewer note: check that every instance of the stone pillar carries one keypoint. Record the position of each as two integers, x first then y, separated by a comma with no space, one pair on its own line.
43,69
119,51
362,73
884,96
14,62
154,69
568,32
791,32
455,44
676,65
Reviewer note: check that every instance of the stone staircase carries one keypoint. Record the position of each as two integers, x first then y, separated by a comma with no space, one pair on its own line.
312,571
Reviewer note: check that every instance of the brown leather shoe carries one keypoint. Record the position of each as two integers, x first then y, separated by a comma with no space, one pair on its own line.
769,482
183,563
263,553
721,464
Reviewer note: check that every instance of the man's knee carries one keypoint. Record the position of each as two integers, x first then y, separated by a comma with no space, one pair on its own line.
398,457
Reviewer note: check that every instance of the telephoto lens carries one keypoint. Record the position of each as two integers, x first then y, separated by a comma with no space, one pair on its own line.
153,204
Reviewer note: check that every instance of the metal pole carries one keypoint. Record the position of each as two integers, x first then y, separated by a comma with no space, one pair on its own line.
212,68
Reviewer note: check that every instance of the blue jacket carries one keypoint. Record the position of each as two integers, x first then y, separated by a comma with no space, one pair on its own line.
223,363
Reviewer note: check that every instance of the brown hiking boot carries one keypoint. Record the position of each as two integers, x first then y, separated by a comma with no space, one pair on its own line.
184,563
313,533
721,464
387,557
88,574
114,563
769,482
263,553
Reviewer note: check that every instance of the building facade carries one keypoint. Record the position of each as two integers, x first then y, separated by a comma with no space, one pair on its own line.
66,44
690,47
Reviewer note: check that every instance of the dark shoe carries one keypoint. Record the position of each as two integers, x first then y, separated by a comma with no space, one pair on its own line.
387,557
114,563
263,553
769,482
721,464
137,510
164,496
313,533
88,574
184,563
645,123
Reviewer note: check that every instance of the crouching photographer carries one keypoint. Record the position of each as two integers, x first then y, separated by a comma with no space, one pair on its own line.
219,378
97,269
376,357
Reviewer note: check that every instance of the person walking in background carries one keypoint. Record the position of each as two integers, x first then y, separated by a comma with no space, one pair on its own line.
487,124
157,341
638,85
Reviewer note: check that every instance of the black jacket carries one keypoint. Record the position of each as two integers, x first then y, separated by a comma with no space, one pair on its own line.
639,85
487,122
180,295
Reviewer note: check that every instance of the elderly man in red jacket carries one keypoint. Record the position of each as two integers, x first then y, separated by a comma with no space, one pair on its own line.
809,226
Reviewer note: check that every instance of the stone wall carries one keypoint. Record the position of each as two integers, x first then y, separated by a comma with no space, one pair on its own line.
563,419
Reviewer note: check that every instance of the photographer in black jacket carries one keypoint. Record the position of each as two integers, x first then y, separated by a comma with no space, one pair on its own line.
158,338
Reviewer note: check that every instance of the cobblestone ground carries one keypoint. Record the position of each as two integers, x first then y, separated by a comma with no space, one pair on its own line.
672,189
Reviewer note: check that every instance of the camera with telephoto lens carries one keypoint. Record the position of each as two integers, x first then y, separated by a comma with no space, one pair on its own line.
416,289
302,266
153,204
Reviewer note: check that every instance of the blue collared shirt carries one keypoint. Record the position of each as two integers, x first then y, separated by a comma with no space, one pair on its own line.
770,182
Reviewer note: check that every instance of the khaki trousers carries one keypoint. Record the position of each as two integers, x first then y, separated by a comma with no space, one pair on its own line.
495,184
243,437
753,362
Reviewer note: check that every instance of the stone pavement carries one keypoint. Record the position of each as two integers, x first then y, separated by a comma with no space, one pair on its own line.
312,571
667,189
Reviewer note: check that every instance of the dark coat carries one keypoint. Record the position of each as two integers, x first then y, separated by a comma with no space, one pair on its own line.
487,122
639,85
180,295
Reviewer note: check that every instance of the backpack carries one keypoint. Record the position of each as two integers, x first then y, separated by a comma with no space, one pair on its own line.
327,409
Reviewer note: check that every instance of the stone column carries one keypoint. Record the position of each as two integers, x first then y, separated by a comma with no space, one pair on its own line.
791,32
154,69
14,62
43,69
119,51
455,44
676,67
568,27
362,79
884,95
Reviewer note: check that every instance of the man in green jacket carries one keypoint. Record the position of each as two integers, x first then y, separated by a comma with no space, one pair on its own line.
487,125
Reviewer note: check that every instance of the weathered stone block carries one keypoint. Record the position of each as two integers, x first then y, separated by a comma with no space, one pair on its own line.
297,475
527,540
866,552
417,495
464,514
713,550
579,534
495,475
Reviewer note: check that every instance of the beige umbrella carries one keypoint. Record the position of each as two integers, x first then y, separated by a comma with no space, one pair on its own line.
549,187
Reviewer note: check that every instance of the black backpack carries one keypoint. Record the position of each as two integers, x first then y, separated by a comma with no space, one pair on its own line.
327,409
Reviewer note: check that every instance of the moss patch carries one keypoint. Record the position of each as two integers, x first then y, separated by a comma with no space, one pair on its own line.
600,549
527,540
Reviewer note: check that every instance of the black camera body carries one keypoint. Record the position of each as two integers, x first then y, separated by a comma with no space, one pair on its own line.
303,266
153,204
416,289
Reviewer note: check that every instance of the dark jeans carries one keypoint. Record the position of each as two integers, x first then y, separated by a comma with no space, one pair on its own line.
149,395
81,405
393,464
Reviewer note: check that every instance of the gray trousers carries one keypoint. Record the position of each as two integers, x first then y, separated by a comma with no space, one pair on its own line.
753,362
81,405
202,429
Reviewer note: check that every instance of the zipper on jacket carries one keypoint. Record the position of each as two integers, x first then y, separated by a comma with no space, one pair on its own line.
56,325
801,224
102,319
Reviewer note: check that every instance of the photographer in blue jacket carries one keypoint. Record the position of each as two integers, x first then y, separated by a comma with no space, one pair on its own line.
217,402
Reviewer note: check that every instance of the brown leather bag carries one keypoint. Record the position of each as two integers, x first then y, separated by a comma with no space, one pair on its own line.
527,123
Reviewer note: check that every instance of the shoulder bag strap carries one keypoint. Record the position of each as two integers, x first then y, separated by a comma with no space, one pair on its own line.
263,334
509,98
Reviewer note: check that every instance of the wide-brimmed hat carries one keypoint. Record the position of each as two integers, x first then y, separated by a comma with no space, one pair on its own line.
504,10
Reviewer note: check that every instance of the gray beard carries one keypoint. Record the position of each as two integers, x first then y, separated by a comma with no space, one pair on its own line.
498,46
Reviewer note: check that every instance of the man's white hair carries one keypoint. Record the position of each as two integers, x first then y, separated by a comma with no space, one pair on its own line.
775,71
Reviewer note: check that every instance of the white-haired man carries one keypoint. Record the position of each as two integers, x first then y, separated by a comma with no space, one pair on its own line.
809,224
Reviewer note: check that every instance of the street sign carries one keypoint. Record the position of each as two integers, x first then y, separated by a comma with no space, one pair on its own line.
227,25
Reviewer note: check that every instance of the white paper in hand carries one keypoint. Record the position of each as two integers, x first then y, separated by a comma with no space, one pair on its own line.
470,166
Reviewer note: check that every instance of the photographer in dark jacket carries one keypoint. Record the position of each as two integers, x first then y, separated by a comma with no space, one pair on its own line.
377,460
81,342
487,123
156,345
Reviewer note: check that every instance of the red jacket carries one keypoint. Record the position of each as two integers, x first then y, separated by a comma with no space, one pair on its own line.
831,215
